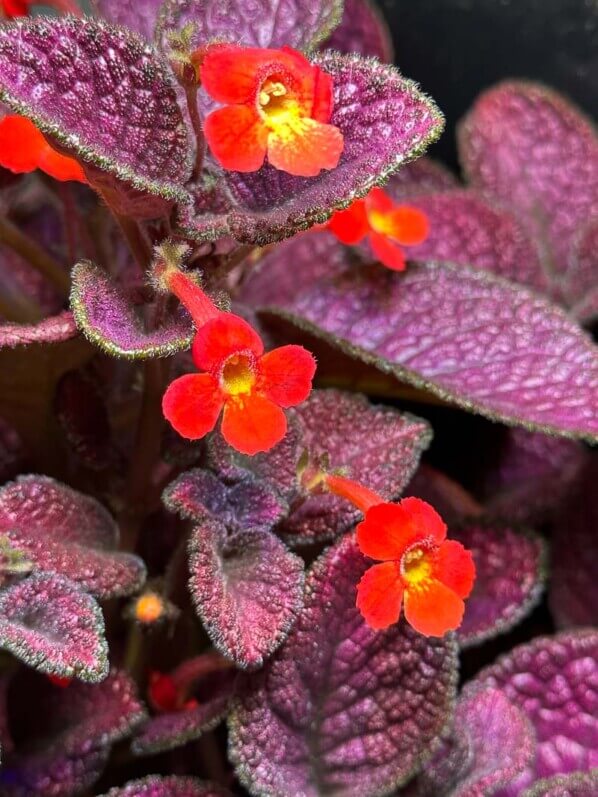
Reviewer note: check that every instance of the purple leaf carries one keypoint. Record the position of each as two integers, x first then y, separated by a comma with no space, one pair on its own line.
531,148
386,122
169,786
137,15
248,504
464,335
341,709
301,24
422,176
533,475
578,784
105,97
510,571
573,593
53,626
109,320
68,533
553,681
362,30
51,330
379,446
247,588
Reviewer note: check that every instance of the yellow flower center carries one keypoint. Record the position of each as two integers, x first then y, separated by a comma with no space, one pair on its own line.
278,106
416,568
238,375
149,608
380,222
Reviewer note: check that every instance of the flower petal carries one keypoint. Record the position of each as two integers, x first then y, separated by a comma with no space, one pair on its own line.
408,225
192,405
425,517
379,595
230,73
23,149
351,225
388,253
453,565
253,423
387,532
287,374
433,609
237,137
378,201
323,96
221,337
305,147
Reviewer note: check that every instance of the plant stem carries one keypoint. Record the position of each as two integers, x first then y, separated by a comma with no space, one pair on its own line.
37,257
191,94
138,244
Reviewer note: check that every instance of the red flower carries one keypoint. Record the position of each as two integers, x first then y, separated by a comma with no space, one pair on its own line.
20,8
276,103
165,695
246,385
420,567
23,148
388,227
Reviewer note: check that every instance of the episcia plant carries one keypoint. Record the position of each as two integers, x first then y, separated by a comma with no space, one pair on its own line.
224,569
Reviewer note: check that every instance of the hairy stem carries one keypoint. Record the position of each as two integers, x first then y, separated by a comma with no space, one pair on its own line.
138,244
38,258
191,94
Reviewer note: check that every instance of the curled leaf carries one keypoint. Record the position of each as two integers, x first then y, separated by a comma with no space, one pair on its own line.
51,330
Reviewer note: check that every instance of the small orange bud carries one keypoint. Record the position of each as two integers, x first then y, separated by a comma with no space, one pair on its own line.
149,608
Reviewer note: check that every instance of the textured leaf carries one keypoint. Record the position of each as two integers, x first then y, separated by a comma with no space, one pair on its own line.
510,572
573,593
106,97
51,330
531,148
67,740
422,176
68,533
578,784
249,503
379,446
49,623
464,335
362,30
385,121
169,786
108,319
247,589
341,709
553,680
137,15
301,24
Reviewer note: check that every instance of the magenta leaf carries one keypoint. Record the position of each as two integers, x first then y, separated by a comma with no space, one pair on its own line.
421,176
247,589
106,97
137,15
362,30
301,24
553,681
55,329
168,786
108,319
464,335
249,503
386,122
53,626
66,532
510,572
341,709
578,784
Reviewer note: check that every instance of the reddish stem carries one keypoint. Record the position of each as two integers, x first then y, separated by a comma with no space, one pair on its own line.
362,497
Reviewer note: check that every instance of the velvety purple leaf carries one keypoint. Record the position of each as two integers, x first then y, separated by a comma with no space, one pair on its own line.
169,786
581,291
421,176
533,475
53,626
248,504
341,709
106,97
450,499
247,589
464,335
573,587
378,445
301,24
534,150
578,784
109,320
553,680
362,30
66,532
510,572
385,121
67,740
51,330
137,15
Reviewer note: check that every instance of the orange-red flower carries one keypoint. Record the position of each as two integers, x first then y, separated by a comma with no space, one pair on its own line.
276,104
23,148
20,8
248,387
388,227
420,568
165,695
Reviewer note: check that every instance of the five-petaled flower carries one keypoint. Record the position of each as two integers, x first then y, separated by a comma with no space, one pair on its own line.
248,387
419,569
388,227
23,149
276,103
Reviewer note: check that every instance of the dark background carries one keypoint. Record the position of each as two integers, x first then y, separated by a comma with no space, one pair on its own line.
456,48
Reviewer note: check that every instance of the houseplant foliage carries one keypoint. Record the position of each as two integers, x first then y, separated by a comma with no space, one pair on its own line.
233,296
